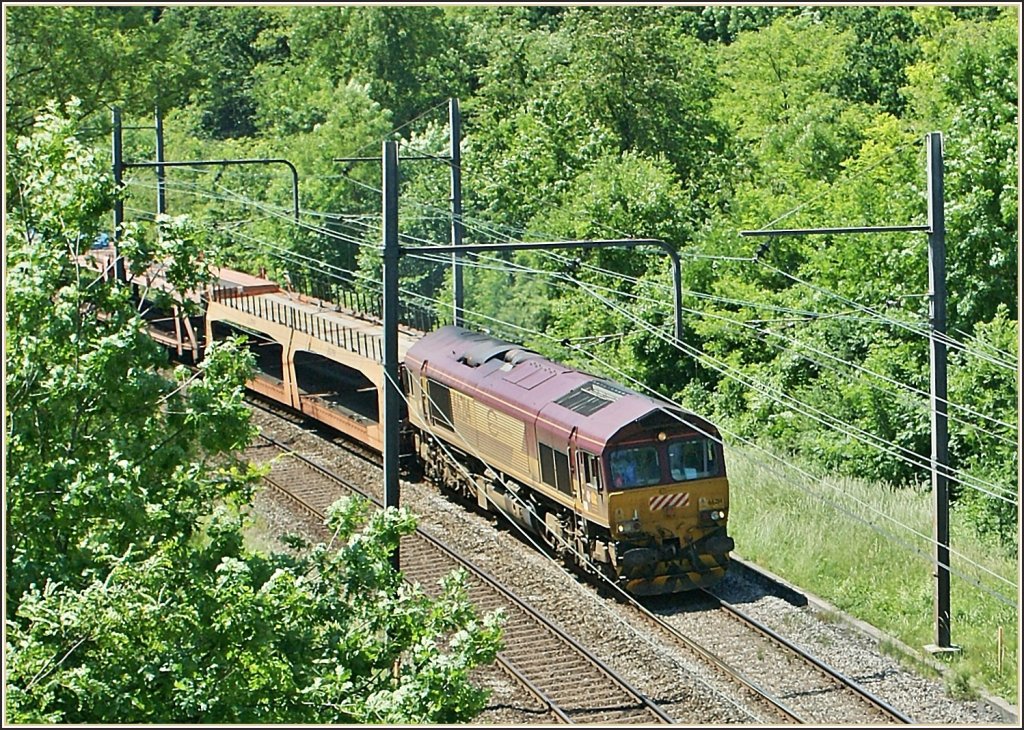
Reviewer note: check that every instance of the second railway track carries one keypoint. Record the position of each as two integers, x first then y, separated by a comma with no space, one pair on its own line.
819,695
573,683
804,688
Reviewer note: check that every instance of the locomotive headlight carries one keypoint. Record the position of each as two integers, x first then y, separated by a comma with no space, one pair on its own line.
628,527
713,515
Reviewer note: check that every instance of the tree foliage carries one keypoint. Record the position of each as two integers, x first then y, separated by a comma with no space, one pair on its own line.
97,55
227,44
685,123
130,594
966,85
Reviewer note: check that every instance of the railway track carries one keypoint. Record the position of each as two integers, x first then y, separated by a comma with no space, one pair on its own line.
575,685
875,708
795,684
765,681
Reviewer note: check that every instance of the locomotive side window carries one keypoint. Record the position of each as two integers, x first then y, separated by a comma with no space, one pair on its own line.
439,400
547,464
637,466
562,472
554,468
693,459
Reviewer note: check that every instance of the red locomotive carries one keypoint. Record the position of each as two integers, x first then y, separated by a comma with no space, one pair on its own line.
619,482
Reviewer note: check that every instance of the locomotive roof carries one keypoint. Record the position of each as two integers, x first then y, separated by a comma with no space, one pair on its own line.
527,385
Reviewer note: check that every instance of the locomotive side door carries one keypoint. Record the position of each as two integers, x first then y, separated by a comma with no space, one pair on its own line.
424,406
588,481
574,472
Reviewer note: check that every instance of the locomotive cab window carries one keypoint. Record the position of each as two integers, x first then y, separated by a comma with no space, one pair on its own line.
693,459
590,468
636,466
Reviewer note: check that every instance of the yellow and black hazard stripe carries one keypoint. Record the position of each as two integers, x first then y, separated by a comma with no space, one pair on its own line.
682,575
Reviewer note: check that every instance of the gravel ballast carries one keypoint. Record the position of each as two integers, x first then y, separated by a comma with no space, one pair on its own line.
688,691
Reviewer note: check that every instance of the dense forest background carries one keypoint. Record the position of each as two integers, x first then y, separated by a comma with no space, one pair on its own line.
687,124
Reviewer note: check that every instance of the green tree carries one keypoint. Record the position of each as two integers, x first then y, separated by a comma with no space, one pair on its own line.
130,594
984,378
722,23
98,55
634,73
224,45
966,85
409,57
782,97
603,81
884,49
821,147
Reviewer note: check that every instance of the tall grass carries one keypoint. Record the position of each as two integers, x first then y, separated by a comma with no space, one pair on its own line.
868,550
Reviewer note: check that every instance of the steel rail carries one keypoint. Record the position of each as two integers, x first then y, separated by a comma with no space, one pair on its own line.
720,664
491,582
872,699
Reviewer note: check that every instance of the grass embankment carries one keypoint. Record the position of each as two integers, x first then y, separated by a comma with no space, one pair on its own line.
881,572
